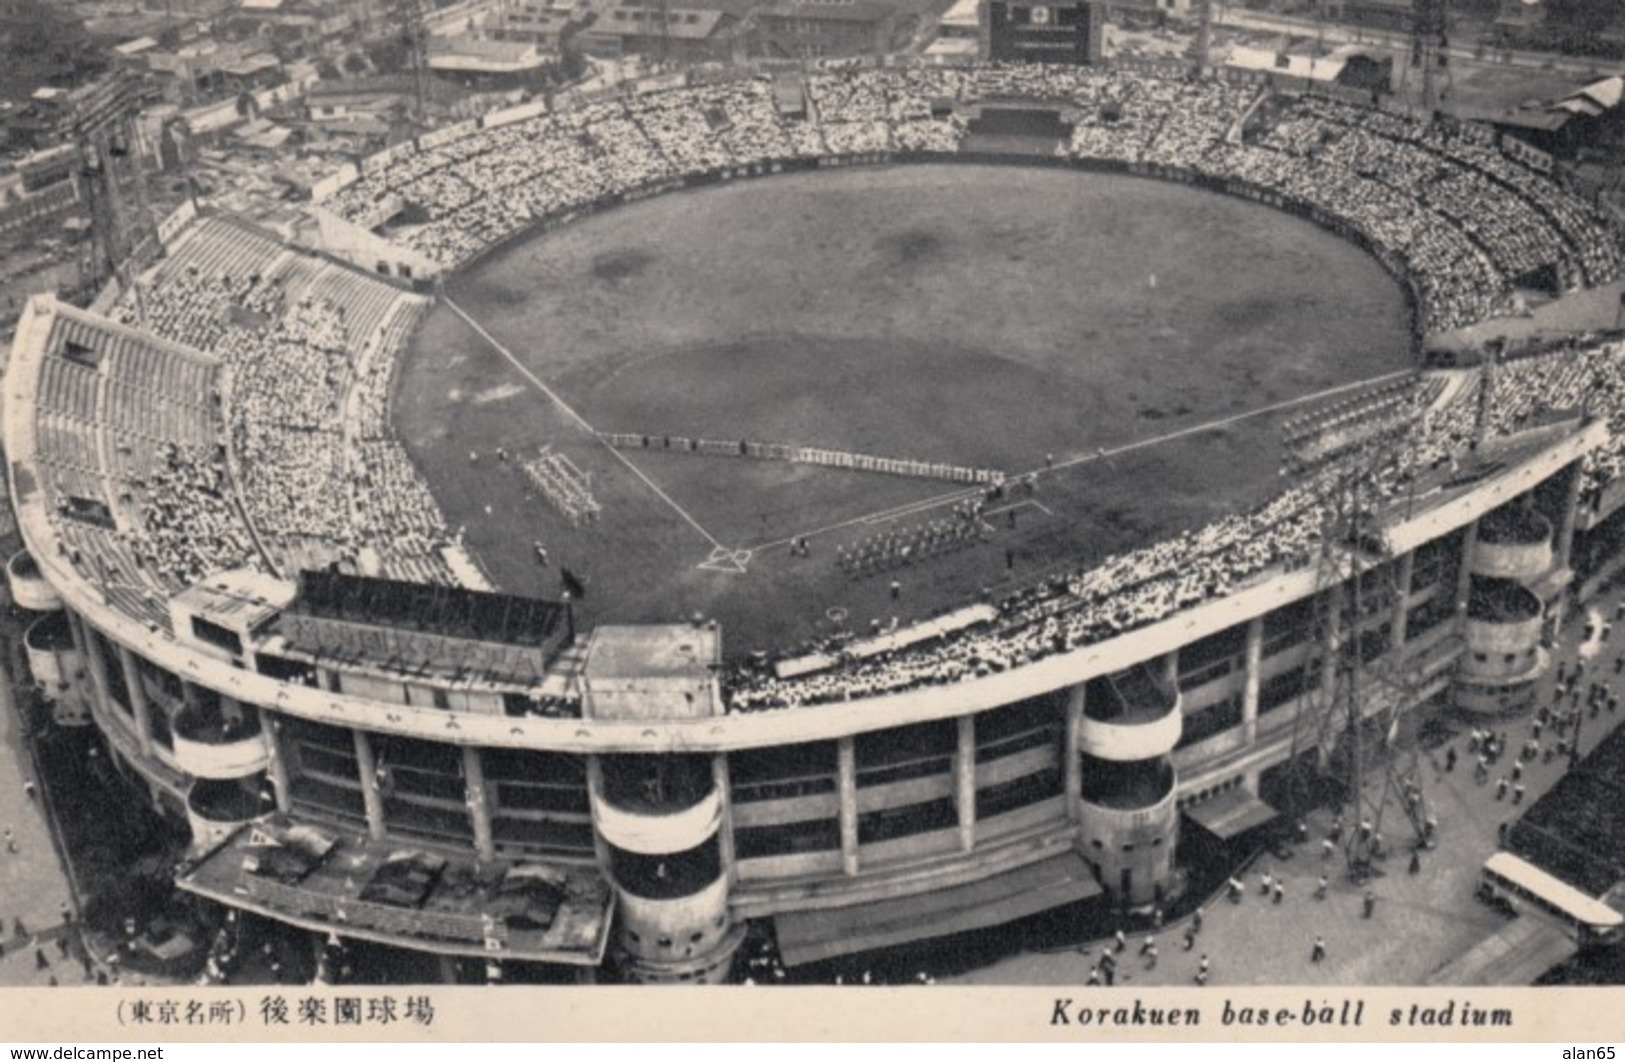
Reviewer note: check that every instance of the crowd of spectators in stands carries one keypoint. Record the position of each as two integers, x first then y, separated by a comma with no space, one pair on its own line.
322,478
1142,586
307,397
1466,222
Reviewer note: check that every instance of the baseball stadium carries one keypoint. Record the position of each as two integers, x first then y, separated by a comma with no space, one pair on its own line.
828,509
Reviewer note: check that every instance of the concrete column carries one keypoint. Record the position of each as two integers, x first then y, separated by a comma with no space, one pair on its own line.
1402,605
138,699
1464,578
1252,678
595,793
1073,765
479,807
965,782
367,767
1564,546
276,766
725,828
98,677
846,775
1334,641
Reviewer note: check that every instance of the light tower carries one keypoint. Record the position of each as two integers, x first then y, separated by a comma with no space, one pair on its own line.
1429,47
100,120
413,17
1360,687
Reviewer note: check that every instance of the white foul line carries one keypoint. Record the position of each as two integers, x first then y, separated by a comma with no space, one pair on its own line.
582,421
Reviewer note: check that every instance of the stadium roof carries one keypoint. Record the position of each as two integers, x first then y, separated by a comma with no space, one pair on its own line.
1597,98
236,599
480,56
444,610
1324,68
664,671
962,13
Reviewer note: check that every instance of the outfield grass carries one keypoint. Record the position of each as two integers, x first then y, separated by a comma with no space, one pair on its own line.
985,316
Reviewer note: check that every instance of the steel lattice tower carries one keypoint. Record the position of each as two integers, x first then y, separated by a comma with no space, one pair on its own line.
1359,688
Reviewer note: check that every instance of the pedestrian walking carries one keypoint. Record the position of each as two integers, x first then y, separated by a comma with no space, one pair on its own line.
1416,862
28,789
896,589
1150,945
1501,789
1196,920
1120,939
1370,904
40,961
1327,848
1318,952
1517,793
11,840
1094,975
1321,886
1190,939
1279,892
1450,759
1264,883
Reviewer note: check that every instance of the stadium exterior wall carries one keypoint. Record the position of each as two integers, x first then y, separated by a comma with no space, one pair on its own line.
951,822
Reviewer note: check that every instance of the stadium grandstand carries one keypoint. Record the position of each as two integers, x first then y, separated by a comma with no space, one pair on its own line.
283,638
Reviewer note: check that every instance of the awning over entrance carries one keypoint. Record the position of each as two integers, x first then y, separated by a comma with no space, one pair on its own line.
812,936
1231,814
331,880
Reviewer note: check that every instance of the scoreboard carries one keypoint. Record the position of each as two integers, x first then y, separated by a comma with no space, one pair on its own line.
1043,31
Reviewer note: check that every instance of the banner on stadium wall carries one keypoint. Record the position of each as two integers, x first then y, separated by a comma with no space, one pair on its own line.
448,134
510,115
659,83
335,182
1527,154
